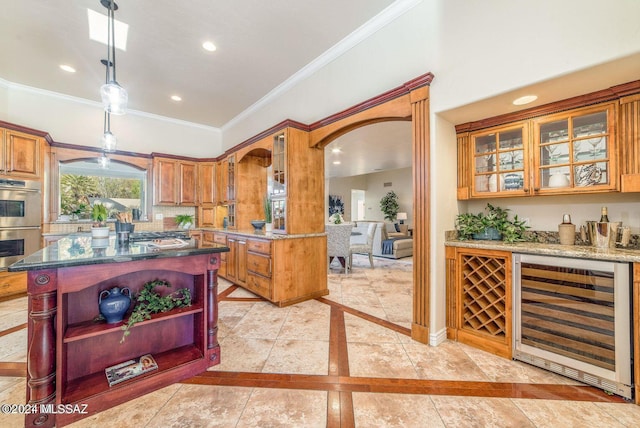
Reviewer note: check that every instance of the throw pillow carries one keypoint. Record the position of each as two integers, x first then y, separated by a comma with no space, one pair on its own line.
397,227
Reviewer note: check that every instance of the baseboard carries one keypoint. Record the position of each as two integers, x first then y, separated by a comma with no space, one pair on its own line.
437,338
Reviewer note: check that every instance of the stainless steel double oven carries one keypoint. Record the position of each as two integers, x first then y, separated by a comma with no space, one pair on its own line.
20,219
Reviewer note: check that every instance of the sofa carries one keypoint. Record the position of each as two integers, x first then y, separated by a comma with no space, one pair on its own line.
400,246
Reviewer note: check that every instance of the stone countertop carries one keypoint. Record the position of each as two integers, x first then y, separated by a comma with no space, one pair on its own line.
250,233
576,251
80,249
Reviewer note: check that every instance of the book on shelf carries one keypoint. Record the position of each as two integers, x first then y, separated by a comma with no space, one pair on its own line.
130,369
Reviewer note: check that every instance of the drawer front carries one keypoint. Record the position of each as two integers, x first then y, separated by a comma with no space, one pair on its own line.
13,283
219,238
262,247
259,264
259,285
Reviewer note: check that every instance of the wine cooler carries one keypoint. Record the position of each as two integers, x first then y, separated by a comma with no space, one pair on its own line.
573,317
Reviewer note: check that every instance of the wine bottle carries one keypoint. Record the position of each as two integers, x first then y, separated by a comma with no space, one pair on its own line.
604,218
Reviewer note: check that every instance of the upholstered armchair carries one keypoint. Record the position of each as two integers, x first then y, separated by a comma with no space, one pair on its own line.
338,243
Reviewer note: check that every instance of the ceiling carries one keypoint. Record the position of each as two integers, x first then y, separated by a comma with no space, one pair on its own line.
258,48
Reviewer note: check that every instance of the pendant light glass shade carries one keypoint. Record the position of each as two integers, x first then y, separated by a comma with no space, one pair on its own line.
109,142
114,98
104,161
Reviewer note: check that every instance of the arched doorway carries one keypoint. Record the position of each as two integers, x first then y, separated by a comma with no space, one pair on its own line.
408,102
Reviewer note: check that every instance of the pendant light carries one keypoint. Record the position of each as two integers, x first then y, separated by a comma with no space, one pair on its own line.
109,141
104,161
114,96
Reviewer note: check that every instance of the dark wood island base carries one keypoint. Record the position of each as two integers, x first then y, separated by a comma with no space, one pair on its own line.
69,349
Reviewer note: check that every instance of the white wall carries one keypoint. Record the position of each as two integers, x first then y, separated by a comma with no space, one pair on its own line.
373,185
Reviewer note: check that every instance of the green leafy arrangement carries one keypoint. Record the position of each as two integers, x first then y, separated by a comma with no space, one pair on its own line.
149,302
99,215
182,219
389,205
468,224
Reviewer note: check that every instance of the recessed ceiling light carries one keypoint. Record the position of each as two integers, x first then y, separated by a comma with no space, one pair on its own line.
336,162
525,100
98,24
176,97
209,46
336,150
67,68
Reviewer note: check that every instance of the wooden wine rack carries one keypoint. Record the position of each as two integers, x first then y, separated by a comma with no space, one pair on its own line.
479,299
483,294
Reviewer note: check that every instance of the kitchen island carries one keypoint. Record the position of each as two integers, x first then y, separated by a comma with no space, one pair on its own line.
69,346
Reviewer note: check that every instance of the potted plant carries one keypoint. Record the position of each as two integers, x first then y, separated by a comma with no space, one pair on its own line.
493,224
99,214
389,205
267,213
184,221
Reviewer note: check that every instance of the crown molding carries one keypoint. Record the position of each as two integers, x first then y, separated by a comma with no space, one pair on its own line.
388,15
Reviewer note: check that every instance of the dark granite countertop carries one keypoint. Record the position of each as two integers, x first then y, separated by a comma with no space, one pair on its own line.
80,249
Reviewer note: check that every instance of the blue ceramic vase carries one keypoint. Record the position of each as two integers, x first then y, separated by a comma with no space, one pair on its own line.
114,304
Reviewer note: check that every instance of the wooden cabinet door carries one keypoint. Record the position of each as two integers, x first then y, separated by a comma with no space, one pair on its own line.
207,183
165,174
241,260
22,154
207,216
188,183
232,264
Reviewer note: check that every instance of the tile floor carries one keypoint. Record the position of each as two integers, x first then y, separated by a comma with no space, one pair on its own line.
343,360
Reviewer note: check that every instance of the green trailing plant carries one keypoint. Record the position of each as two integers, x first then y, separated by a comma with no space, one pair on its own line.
267,209
389,205
99,215
183,219
511,230
148,301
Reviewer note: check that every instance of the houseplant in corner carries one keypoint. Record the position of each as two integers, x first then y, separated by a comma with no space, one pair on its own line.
494,224
99,214
389,205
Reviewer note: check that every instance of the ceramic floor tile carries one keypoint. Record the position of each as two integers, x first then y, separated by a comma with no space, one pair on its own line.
243,355
132,414
12,319
12,391
229,315
627,414
363,331
202,406
307,323
555,413
443,362
263,321
395,410
13,347
476,412
298,356
274,408
380,360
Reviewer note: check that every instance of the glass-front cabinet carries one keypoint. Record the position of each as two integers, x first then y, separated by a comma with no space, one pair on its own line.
567,152
499,161
574,150
278,188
